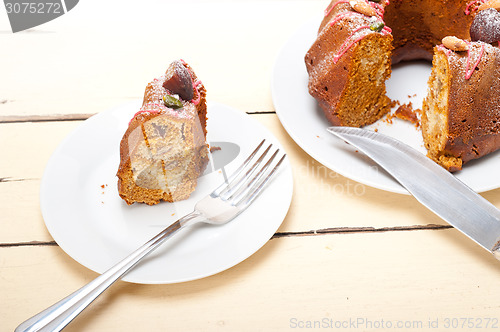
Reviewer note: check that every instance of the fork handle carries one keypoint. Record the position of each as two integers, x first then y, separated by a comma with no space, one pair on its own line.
60,314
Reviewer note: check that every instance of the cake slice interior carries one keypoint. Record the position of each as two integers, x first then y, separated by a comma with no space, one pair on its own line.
164,150
435,113
364,99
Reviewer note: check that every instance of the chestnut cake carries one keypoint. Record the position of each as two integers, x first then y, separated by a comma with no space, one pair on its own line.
358,40
164,150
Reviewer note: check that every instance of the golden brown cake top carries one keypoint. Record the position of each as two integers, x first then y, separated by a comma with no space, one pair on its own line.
353,21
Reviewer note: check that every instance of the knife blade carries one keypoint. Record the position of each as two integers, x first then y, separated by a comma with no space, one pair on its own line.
433,186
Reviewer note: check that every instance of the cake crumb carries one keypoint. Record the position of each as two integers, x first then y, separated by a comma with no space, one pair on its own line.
103,186
388,118
407,113
215,148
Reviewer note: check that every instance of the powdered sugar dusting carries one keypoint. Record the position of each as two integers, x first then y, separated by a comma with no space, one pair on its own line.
467,64
329,9
153,98
486,26
468,70
357,23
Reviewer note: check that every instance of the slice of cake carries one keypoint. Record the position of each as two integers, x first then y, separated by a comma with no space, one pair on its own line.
461,113
349,63
164,150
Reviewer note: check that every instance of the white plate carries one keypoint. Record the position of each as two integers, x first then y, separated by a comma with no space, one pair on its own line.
306,124
97,228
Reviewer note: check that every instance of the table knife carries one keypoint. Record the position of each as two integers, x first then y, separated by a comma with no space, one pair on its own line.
433,186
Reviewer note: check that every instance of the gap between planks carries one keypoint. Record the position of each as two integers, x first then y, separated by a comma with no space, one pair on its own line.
70,117
43,118
342,230
325,231
10,179
319,232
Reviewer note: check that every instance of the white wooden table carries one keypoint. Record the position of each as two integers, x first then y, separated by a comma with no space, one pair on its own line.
363,260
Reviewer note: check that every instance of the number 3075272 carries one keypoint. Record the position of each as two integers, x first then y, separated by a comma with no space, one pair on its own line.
33,7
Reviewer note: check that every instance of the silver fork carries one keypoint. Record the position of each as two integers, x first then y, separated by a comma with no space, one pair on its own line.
225,203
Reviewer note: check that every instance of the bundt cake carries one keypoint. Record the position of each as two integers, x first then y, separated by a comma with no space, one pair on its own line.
164,149
358,40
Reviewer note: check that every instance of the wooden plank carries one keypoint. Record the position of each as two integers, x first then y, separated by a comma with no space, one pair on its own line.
345,251
21,219
408,276
323,198
43,118
323,201
88,68
26,147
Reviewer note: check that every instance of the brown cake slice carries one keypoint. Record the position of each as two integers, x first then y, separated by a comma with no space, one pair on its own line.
349,63
461,113
164,150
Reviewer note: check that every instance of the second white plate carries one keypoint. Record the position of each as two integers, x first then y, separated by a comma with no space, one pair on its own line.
90,222
305,122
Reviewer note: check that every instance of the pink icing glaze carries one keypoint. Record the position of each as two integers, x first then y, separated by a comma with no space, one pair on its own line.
446,51
328,10
344,15
468,9
468,73
343,47
148,110
198,96
378,8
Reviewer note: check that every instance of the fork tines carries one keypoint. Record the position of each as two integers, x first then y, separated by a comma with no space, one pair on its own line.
247,182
